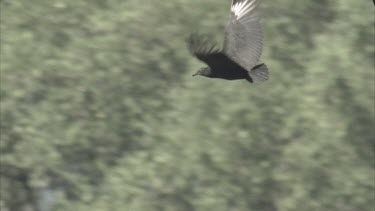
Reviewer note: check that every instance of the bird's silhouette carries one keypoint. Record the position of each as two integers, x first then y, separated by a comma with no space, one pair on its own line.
242,47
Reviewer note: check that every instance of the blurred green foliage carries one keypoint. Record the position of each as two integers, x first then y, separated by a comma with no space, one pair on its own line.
99,110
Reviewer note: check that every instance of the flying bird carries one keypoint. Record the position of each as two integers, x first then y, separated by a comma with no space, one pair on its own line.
242,47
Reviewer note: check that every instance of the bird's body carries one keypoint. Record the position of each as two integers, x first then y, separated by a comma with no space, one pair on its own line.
242,47
219,69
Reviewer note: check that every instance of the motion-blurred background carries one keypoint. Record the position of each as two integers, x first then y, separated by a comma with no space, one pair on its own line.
99,111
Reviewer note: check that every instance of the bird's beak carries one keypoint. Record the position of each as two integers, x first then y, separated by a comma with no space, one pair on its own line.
195,74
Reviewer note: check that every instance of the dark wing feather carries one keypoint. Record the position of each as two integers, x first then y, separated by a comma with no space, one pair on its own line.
206,51
243,34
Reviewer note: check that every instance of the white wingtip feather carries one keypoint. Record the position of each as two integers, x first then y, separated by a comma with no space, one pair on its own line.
242,8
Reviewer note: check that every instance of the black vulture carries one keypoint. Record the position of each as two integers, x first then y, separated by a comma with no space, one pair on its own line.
242,47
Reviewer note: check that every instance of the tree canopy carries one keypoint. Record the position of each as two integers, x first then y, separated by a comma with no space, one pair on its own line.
99,110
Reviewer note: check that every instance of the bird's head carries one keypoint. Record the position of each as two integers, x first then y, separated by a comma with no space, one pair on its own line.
204,71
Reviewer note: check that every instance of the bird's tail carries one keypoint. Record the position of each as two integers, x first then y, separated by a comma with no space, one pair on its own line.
259,73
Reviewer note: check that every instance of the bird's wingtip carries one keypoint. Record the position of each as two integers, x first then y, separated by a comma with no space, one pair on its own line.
241,8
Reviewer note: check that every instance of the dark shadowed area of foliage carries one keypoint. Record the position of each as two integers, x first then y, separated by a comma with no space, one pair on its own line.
99,110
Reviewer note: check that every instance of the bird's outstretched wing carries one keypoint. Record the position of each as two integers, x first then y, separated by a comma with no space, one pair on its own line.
206,51
243,34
